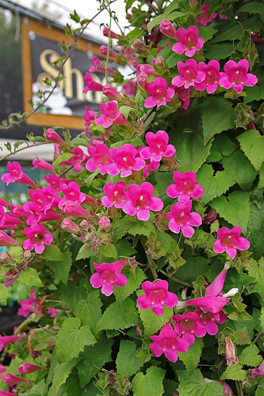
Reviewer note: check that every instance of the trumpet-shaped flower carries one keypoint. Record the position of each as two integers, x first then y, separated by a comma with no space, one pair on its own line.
41,164
108,275
16,175
159,92
189,76
169,343
189,41
90,84
100,158
212,76
158,147
181,218
156,296
115,195
203,19
230,241
236,75
111,115
140,201
188,325
125,161
6,240
185,187
12,380
37,238
7,340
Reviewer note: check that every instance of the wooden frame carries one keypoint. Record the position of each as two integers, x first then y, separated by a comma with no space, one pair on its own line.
56,35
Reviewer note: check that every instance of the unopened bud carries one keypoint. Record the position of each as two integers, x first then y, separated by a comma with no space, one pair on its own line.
112,34
69,226
104,223
160,62
142,79
12,380
84,224
4,256
128,16
54,137
27,368
167,28
141,47
111,93
104,51
27,254
211,216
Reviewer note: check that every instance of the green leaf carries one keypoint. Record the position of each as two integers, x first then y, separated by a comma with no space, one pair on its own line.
207,32
158,19
195,385
124,248
72,338
256,228
252,143
164,179
234,372
261,177
86,251
152,322
129,3
174,58
235,209
212,118
119,315
61,268
254,7
93,359
72,294
190,150
120,228
52,253
254,93
213,185
127,353
60,159
29,276
16,253
142,228
136,33
62,372
3,293
218,51
239,167
149,384
235,32
222,145
242,336
134,280
260,389
174,5
125,110
108,250
191,358
250,356
89,311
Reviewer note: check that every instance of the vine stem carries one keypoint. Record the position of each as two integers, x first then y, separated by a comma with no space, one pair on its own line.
108,46
175,279
258,337
23,148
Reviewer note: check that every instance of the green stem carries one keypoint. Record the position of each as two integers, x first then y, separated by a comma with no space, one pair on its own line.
108,47
175,279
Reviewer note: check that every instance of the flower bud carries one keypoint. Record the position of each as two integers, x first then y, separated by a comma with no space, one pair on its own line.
142,79
6,240
111,93
4,256
104,50
211,216
104,223
193,4
70,226
27,368
12,380
84,224
112,34
141,48
231,357
54,137
27,255
160,62
167,28
128,16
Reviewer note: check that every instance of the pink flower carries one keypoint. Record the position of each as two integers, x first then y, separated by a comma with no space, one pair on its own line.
89,116
211,216
183,95
188,325
104,223
41,164
169,343
78,159
72,192
112,34
167,28
12,380
90,84
181,218
142,79
111,115
209,319
129,87
231,357
37,238
185,187
16,175
230,241
125,161
158,147
115,195
190,75
212,76
27,368
104,50
100,158
7,340
108,275
189,41
54,137
257,372
147,69
99,66
4,393
203,19
6,240
70,226
55,181
156,296
140,201
111,93
70,208
159,92
236,76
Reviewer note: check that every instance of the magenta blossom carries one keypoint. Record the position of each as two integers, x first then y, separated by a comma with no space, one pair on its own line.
54,137
212,76
183,95
37,238
257,372
188,325
185,187
159,92
99,66
108,275
72,192
27,368
16,175
189,41
169,343
90,84
230,241
236,76
78,159
140,201
112,34
100,158
158,147
209,320
6,240
89,116
7,340
181,218
190,75
167,29
111,93
41,164
203,19
12,380
115,195
156,296
125,161
111,115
